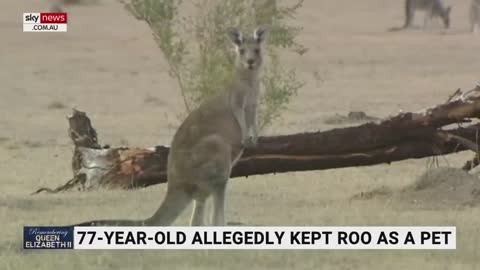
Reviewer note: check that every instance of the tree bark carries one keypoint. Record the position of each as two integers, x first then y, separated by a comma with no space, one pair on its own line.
405,136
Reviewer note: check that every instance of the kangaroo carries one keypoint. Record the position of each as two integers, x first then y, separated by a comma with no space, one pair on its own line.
433,8
209,142
475,16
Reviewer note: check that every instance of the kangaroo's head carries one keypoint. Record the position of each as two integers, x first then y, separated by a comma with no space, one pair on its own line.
446,17
248,48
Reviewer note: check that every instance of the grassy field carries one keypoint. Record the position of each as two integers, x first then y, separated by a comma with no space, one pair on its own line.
108,65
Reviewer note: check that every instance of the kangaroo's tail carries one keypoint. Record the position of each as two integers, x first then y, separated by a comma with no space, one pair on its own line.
174,203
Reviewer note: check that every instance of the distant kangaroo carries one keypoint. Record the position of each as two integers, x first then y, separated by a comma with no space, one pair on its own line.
475,16
209,142
433,8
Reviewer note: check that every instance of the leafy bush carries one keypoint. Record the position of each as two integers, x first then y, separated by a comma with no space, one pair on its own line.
200,57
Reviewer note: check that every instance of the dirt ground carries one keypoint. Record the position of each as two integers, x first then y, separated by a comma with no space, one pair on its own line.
108,65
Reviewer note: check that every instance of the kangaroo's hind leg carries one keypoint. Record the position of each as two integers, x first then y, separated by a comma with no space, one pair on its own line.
428,18
218,217
198,215
211,169
409,14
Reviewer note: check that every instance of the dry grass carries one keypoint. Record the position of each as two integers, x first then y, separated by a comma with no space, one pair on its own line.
357,65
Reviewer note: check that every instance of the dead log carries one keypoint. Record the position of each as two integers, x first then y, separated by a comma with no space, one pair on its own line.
405,136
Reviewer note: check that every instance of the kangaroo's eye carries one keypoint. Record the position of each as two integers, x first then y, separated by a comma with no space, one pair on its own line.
241,51
257,51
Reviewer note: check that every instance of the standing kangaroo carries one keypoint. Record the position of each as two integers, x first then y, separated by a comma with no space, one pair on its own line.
475,16
210,141
433,8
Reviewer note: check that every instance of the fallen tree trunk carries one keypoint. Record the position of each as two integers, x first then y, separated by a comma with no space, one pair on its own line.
405,136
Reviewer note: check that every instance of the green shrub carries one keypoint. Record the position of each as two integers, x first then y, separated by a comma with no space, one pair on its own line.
200,57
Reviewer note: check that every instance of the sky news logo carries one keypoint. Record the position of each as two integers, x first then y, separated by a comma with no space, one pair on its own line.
45,22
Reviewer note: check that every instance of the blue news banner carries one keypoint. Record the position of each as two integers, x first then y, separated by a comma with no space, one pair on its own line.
243,237
47,237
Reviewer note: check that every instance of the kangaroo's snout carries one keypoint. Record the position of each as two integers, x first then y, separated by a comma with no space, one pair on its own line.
250,63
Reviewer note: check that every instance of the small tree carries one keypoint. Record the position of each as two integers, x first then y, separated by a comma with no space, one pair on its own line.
203,66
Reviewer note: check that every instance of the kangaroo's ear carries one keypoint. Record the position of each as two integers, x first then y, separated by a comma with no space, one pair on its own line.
260,34
235,36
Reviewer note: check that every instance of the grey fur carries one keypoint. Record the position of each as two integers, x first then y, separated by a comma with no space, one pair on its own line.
433,8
